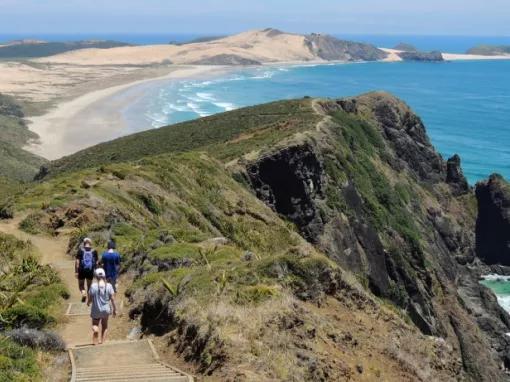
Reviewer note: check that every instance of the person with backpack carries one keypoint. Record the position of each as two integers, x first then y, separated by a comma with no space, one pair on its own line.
85,264
110,261
102,298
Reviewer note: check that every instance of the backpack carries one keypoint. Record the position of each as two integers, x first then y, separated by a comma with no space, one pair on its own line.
87,260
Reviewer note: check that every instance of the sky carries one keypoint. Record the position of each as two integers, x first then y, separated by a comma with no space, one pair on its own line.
417,17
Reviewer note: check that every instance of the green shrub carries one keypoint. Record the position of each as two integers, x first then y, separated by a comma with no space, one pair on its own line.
177,251
151,203
27,315
32,223
17,363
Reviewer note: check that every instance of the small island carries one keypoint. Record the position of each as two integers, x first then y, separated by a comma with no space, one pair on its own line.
407,52
405,47
421,56
490,50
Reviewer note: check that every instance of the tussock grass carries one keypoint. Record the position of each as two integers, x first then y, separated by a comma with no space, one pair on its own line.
29,293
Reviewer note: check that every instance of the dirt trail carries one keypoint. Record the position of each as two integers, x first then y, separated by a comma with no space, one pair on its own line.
74,329
141,362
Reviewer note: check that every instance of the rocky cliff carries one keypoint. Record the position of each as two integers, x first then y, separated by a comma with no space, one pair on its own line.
330,48
373,194
319,240
493,222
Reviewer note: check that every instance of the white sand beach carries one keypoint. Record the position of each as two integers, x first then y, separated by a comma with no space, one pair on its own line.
394,57
93,117
462,57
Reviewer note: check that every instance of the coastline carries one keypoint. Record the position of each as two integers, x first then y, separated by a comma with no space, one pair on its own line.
394,57
85,120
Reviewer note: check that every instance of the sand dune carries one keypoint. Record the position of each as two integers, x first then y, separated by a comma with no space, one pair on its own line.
264,46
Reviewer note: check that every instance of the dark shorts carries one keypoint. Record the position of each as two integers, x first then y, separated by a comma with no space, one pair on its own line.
85,274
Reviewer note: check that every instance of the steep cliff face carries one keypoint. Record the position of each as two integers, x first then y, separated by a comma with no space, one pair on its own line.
382,203
493,223
455,177
289,181
332,49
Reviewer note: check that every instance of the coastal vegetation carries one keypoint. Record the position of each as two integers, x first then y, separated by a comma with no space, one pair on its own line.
224,136
16,163
405,47
490,50
309,230
30,294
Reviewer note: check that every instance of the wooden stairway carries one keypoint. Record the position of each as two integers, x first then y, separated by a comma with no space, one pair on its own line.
126,361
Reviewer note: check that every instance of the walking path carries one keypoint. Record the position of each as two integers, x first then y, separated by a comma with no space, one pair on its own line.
115,361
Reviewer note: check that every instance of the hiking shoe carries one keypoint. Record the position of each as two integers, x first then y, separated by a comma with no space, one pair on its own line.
83,296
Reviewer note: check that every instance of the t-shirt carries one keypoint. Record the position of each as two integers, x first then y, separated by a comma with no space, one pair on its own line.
79,256
100,298
111,262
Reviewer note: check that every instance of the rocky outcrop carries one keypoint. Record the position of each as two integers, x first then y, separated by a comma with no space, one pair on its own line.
421,56
493,222
404,132
332,49
455,177
289,181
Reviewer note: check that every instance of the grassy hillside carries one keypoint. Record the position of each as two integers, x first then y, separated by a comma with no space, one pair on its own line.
19,50
224,136
16,163
299,240
29,294
226,277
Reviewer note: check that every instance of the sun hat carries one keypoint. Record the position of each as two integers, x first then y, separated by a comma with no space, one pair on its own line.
100,272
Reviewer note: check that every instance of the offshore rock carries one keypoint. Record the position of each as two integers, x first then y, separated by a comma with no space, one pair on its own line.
455,177
493,222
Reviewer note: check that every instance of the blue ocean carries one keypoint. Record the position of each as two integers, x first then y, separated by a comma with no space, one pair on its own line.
465,105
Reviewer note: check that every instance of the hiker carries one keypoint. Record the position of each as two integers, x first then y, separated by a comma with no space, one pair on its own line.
111,264
102,299
84,266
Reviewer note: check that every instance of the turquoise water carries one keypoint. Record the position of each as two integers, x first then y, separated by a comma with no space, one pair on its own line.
465,105
501,287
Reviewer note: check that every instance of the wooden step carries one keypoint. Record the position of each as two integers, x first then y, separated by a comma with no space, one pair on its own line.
134,373
141,379
123,361
122,367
